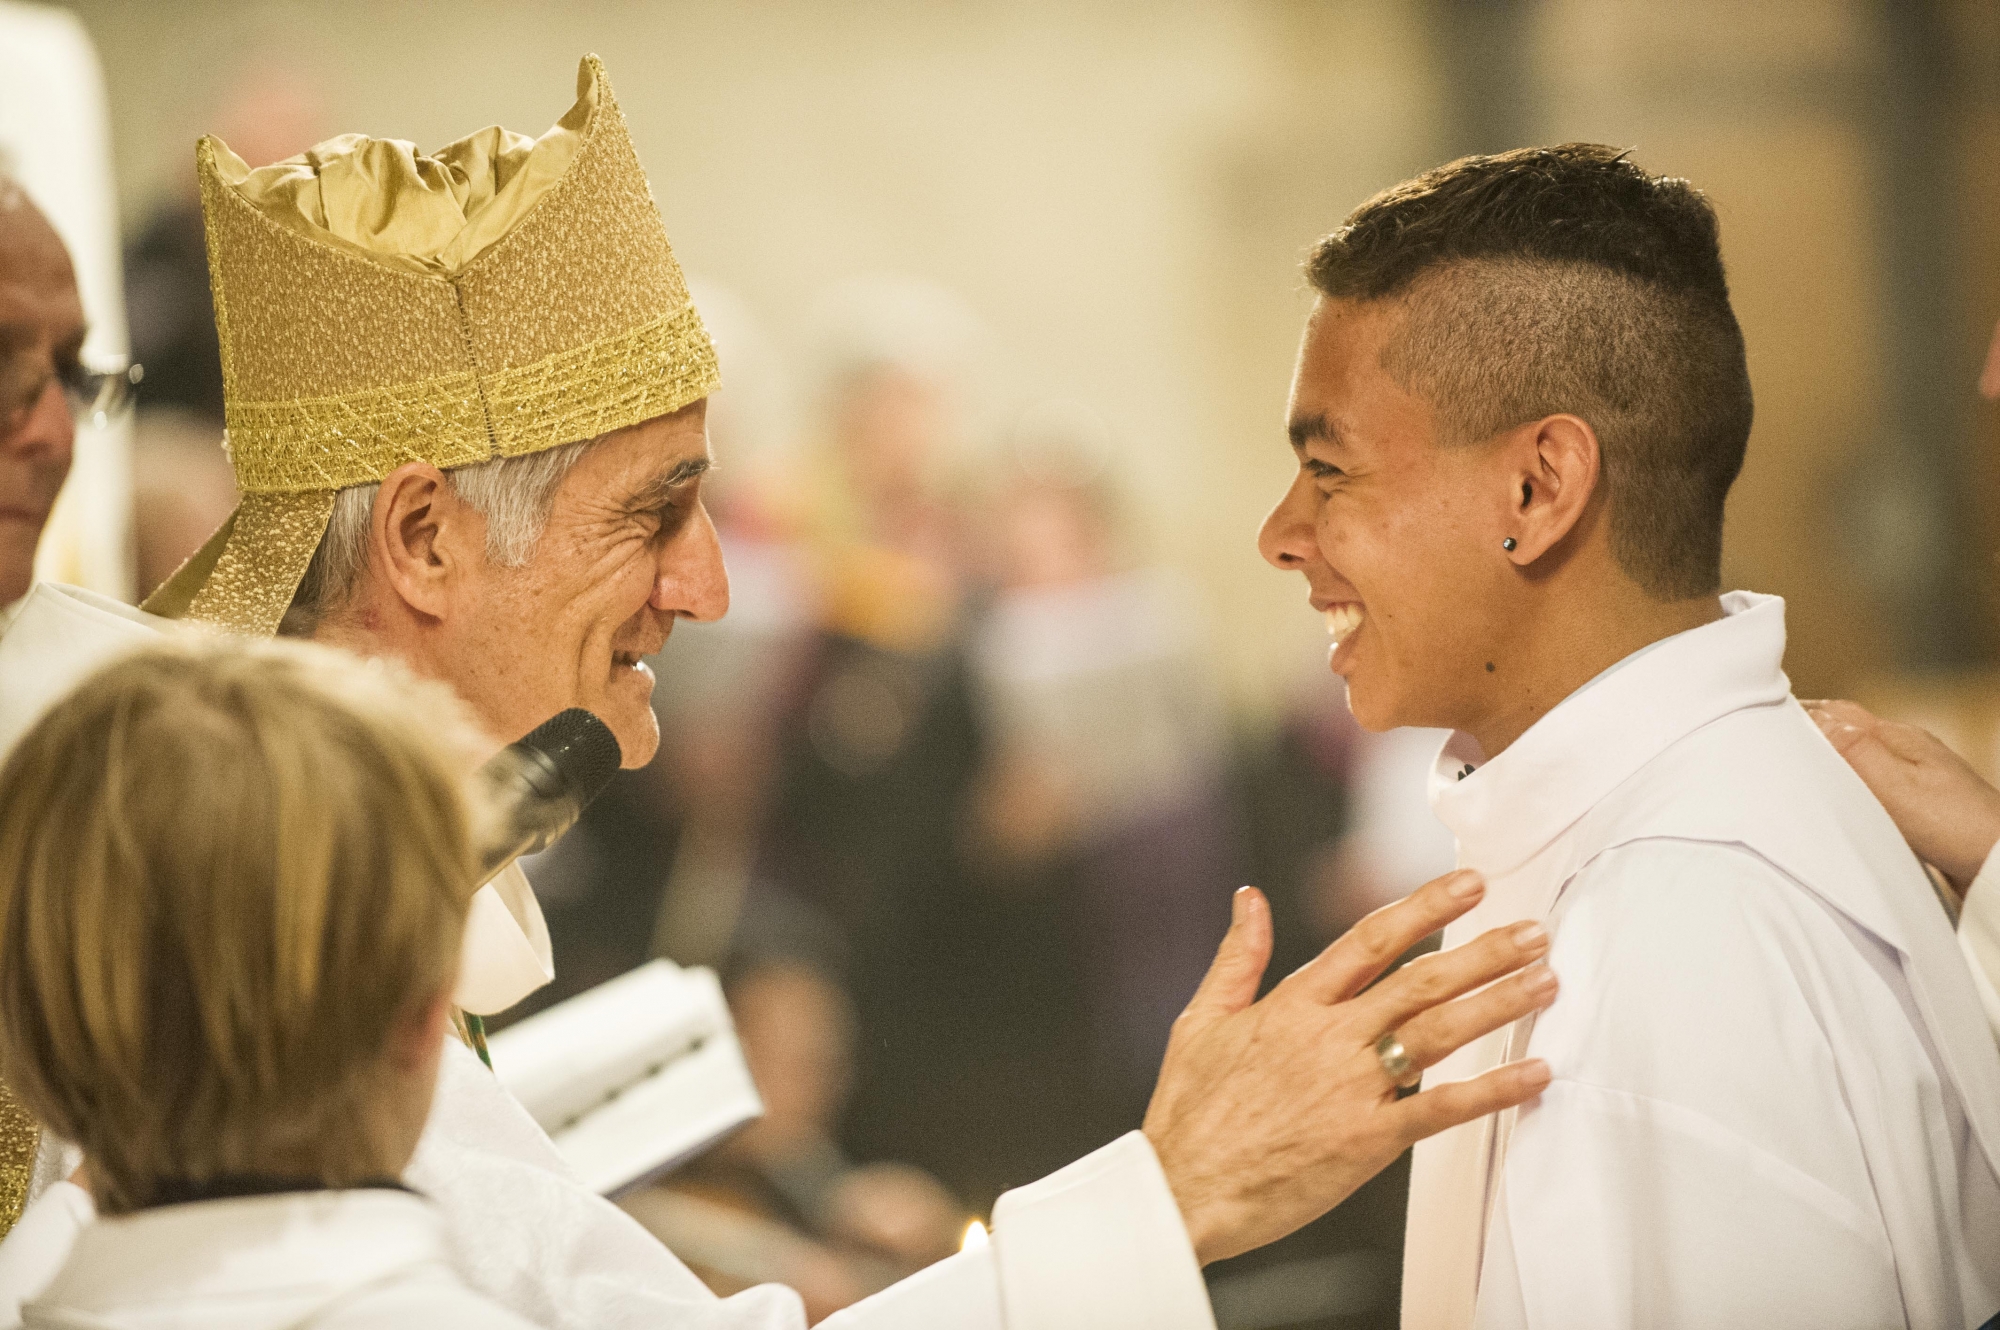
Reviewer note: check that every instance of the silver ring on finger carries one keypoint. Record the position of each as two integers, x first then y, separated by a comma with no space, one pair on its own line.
1397,1064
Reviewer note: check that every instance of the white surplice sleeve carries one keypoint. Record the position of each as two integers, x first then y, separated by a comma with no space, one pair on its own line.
1712,1150
1979,935
1098,1245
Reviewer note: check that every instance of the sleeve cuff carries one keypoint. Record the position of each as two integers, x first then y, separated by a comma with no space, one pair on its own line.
960,1291
1979,935
1099,1245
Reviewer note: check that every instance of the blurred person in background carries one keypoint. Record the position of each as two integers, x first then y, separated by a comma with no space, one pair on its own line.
42,382
780,1201
1947,811
971,1060
250,1091
544,539
1103,781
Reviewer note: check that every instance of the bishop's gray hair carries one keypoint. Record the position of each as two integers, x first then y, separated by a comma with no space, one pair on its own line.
513,494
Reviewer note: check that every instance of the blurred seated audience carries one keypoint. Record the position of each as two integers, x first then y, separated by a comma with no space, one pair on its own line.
233,881
780,1201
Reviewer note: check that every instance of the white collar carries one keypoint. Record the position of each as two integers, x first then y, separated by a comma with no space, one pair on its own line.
308,1245
1594,739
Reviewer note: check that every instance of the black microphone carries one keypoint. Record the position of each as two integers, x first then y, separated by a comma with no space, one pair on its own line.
541,784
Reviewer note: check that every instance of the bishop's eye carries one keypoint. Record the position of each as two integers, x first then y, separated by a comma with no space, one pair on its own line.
667,519
1319,470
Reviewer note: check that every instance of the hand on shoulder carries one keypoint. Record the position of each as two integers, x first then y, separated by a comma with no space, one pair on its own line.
1947,811
1269,1113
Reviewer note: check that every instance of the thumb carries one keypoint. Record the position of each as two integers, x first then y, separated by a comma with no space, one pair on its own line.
1238,969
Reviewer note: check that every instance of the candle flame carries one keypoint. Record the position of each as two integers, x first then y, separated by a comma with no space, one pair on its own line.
975,1237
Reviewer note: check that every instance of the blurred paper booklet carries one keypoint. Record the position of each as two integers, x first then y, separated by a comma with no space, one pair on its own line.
632,1077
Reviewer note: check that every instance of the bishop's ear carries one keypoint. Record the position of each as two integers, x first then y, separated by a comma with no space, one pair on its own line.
1556,469
417,536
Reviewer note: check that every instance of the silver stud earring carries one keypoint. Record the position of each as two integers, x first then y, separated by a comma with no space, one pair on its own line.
1508,544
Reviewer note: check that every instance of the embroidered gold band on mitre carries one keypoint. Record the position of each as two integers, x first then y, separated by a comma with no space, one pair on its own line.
377,307
460,419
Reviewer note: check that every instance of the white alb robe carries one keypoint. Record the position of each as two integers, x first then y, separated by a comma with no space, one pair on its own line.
366,1259
1776,1101
1979,934
1098,1245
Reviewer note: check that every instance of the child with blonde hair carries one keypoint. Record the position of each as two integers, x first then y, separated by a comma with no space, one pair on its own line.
233,880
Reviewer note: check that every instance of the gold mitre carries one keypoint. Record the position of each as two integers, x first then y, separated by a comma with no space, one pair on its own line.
376,306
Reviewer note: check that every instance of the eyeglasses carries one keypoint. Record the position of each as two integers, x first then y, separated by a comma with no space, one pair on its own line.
97,394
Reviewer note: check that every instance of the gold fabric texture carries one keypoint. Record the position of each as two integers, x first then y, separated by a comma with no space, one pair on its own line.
272,541
377,306
20,1138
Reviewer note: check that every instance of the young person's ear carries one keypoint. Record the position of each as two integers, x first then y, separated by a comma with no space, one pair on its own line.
417,536
1556,471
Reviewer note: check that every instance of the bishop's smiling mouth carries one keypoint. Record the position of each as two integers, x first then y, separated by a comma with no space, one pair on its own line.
1343,619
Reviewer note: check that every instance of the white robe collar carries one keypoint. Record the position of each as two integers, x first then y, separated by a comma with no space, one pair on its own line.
1510,808
286,1256
62,634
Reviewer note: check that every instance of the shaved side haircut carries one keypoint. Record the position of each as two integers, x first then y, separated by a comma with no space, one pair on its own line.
1567,280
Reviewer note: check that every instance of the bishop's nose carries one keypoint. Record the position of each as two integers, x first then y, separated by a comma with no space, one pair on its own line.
691,580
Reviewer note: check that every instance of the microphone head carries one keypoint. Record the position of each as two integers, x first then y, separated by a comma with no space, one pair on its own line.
581,749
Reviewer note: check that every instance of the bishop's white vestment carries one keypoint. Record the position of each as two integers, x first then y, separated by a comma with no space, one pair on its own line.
1776,1101
1099,1245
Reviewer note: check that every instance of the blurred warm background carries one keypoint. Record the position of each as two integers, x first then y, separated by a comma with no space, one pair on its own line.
1006,296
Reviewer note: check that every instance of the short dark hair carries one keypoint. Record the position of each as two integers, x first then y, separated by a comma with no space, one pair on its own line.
1567,279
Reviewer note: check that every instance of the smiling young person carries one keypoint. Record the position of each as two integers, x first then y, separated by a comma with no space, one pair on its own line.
1519,405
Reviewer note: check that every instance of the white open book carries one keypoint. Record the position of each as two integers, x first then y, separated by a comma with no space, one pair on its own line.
632,1077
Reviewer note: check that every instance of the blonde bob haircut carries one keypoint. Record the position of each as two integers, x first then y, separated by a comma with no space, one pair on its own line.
229,872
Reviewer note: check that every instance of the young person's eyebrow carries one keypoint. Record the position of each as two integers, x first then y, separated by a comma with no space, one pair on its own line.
1308,429
661,488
